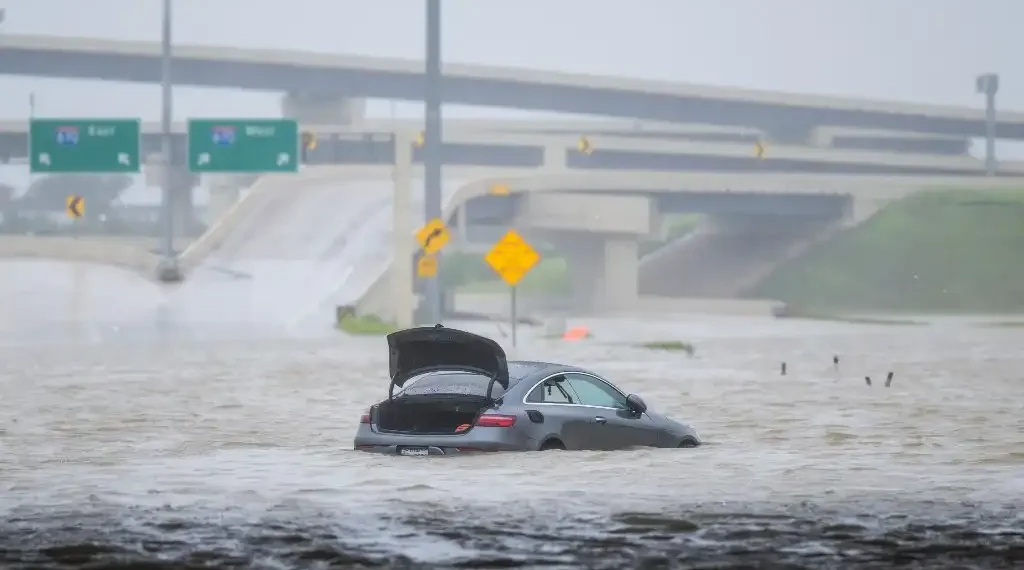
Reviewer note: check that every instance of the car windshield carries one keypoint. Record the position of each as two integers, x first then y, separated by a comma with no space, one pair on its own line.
450,383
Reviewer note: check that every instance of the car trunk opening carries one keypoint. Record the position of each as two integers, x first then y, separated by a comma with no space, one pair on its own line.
418,351
430,415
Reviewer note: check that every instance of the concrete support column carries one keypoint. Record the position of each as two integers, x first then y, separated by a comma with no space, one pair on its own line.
460,223
318,109
603,271
224,192
819,138
182,201
586,269
621,271
554,156
861,209
402,300
6,205
182,185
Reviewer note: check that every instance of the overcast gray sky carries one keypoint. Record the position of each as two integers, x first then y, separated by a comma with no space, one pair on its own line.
912,50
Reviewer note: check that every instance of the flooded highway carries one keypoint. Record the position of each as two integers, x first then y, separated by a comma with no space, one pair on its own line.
162,451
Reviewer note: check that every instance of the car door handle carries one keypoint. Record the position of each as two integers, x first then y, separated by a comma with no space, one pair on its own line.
600,420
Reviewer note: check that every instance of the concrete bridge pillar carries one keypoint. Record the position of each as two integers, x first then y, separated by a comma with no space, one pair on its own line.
461,224
318,109
599,235
555,156
603,270
6,205
224,192
182,185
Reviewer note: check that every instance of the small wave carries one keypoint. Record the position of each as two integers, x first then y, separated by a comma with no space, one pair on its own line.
415,487
432,536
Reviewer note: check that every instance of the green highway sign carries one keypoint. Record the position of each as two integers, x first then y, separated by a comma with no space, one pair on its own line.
84,146
243,145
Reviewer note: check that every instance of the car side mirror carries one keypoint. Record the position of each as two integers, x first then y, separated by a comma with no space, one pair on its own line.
636,403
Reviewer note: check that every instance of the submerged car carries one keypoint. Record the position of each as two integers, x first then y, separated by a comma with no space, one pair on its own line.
457,393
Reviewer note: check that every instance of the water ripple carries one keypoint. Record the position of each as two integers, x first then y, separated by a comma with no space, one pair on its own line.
238,454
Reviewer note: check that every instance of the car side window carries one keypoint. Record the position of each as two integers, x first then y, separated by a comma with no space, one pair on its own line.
595,392
552,391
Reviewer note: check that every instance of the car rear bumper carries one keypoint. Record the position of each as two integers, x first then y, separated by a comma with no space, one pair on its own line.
478,439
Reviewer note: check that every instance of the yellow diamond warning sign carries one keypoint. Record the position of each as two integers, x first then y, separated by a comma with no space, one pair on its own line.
512,258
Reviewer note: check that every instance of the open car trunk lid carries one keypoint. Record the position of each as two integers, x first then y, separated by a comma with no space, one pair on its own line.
417,351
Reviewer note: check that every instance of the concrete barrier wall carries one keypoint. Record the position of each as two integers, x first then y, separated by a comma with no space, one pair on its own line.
129,253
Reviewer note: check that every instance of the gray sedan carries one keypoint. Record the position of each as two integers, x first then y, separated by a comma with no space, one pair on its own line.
457,393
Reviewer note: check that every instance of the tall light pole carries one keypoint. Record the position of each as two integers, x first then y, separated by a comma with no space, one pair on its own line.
168,271
432,144
988,85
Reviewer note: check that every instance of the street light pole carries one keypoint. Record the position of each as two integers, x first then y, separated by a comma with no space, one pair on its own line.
988,85
169,264
432,145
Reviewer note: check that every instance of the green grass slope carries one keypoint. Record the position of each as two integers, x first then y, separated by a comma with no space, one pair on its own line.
934,252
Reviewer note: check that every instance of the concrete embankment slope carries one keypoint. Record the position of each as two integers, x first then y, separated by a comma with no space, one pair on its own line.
293,247
722,258
281,253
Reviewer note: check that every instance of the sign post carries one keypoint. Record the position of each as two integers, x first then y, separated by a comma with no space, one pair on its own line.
84,146
512,258
243,145
432,237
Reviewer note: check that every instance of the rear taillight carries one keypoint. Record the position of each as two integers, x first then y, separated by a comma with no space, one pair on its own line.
365,418
495,420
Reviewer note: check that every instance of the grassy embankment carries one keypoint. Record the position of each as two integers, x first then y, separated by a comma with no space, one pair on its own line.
367,325
932,253
469,273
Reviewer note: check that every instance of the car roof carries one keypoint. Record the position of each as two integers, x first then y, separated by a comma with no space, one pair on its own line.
518,370
527,368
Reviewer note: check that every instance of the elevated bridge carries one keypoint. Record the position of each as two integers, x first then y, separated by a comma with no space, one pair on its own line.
617,151
597,219
317,83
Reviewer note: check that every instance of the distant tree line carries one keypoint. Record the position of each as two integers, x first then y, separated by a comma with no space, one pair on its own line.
100,191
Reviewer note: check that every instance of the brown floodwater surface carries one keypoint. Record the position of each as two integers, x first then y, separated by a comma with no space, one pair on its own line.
119,447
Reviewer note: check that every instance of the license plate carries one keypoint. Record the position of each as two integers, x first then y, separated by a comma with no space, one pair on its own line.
414,451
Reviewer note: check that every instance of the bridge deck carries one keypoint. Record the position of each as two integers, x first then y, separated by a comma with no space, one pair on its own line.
516,149
360,76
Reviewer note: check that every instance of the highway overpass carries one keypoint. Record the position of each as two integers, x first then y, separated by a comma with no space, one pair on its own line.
13,142
317,82
597,219
342,145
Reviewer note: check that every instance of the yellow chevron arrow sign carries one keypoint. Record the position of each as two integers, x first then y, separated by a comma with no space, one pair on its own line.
759,150
584,145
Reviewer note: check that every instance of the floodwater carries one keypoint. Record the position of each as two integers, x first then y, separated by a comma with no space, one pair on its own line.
164,452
